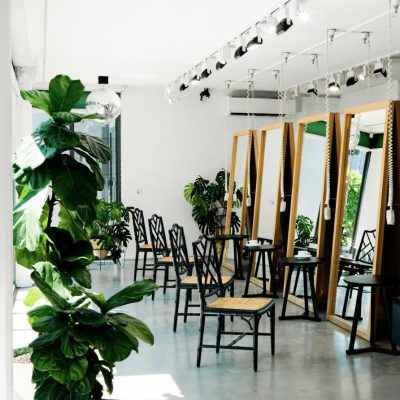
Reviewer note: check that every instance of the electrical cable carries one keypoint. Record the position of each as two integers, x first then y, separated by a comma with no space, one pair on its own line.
282,206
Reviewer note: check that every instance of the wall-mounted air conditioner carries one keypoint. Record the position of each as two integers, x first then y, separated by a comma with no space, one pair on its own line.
260,107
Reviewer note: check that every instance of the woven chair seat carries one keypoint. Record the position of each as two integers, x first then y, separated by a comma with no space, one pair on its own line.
240,304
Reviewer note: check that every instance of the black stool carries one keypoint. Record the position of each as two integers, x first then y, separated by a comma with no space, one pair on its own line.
262,249
308,267
372,281
237,256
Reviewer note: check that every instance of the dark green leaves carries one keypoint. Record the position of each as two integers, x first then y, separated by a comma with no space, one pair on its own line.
119,346
56,136
64,93
74,183
131,294
132,327
95,147
64,117
38,99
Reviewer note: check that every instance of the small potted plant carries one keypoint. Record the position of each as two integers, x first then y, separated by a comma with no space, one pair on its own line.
304,229
111,232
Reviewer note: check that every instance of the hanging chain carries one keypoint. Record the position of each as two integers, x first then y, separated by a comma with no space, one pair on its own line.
327,209
250,129
227,86
390,216
368,69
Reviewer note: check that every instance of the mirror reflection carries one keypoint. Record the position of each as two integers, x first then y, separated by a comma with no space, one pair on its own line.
310,190
270,182
361,209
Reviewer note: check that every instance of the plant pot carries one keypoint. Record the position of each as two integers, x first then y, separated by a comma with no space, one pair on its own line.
98,251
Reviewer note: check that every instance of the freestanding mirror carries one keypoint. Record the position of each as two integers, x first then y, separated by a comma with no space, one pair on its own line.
243,174
314,187
274,184
361,209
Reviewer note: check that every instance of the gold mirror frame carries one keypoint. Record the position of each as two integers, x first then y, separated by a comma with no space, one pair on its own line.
325,228
287,152
340,206
251,151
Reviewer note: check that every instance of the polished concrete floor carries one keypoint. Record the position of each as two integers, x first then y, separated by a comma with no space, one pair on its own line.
310,360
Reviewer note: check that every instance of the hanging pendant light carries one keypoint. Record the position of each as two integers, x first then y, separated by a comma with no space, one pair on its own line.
104,101
351,78
333,85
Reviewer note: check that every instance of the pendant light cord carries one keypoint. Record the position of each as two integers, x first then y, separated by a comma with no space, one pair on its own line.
281,122
227,85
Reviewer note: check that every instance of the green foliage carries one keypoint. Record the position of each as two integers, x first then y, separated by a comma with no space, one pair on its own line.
75,342
111,227
209,209
354,179
304,229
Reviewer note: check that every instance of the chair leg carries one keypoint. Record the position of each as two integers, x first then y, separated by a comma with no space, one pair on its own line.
346,300
136,265
187,298
296,281
220,317
232,292
154,279
144,264
272,326
201,336
177,297
255,342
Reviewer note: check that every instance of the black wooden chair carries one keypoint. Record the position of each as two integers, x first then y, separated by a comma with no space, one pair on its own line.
214,303
161,251
361,265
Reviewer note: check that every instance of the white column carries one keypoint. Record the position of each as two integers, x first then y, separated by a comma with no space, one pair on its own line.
6,253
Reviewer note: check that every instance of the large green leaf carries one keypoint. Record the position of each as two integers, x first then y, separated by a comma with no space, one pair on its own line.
95,147
89,317
27,230
49,389
80,274
94,166
64,93
89,335
40,177
46,339
108,378
70,371
65,117
40,312
71,348
97,298
56,136
73,183
71,221
49,324
28,258
38,99
119,346
33,296
61,239
131,294
132,327
29,155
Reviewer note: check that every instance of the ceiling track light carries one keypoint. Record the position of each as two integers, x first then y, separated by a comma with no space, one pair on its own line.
365,37
285,24
205,94
395,6
331,34
275,73
241,49
312,89
363,74
206,71
333,85
272,24
285,57
379,70
351,78
196,77
314,59
256,41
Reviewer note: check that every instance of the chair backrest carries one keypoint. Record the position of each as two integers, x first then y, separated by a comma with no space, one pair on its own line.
157,235
365,252
179,252
208,268
139,227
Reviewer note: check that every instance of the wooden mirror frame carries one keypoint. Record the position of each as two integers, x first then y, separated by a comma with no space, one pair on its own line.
281,218
325,228
381,214
251,152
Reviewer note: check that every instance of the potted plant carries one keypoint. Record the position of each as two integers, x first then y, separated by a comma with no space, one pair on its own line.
304,229
111,234
209,205
79,335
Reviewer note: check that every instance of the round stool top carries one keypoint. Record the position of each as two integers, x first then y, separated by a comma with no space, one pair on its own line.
262,247
370,280
298,261
231,237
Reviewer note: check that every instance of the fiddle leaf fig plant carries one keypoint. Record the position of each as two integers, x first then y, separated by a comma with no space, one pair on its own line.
80,336
304,229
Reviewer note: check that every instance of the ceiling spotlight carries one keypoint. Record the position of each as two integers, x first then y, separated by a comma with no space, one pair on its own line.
196,77
241,49
206,71
256,41
333,85
220,64
184,83
395,6
205,94
314,59
183,87
312,89
331,34
272,23
363,74
284,25
223,55
351,78
285,57
275,73
379,71
365,37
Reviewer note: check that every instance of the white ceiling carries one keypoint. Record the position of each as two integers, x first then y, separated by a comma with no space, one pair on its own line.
153,42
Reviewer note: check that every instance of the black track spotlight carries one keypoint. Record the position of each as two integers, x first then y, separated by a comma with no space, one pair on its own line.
205,94
312,89
379,71
183,87
196,77
205,70
184,83
333,85
351,78
224,54
283,26
241,49
220,64
256,41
